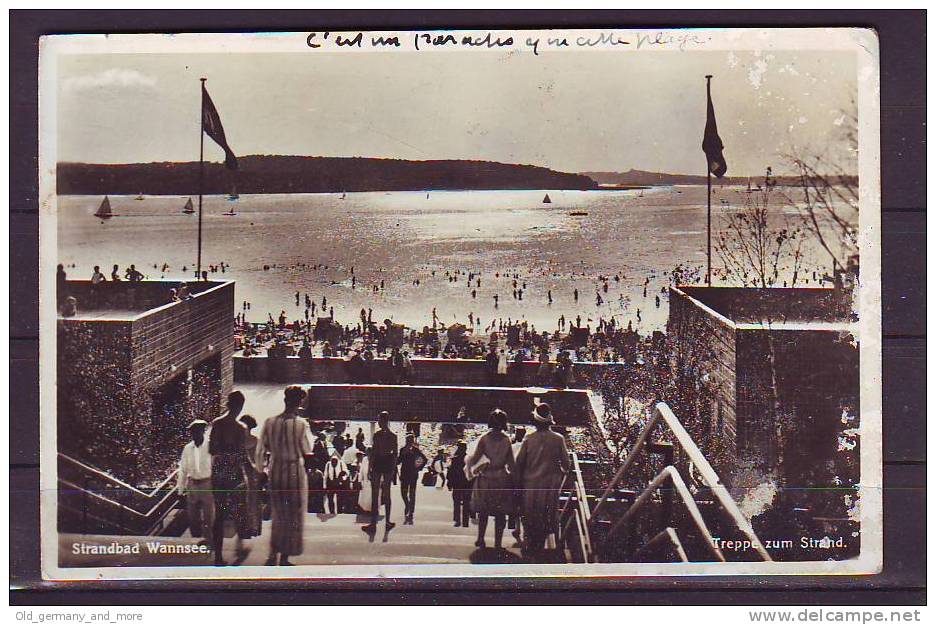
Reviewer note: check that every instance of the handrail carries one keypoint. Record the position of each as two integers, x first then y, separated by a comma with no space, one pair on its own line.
106,500
628,461
582,509
580,512
580,486
662,412
80,489
679,485
562,487
582,534
110,478
111,522
667,534
711,479
160,522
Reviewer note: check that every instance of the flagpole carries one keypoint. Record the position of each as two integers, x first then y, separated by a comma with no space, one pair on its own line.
201,175
708,180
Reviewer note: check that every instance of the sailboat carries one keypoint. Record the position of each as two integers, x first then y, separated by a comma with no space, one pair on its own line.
233,195
188,209
344,196
230,212
546,199
104,210
139,197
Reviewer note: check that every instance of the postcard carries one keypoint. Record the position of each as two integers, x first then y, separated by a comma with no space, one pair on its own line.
519,303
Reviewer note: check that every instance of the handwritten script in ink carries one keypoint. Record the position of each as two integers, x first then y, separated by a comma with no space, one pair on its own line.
434,40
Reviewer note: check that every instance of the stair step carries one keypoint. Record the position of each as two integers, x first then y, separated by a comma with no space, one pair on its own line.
332,539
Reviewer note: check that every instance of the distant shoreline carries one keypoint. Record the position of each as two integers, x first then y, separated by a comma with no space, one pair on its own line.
274,175
537,190
301,174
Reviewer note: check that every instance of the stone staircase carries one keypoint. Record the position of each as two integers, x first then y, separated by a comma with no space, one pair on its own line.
335,539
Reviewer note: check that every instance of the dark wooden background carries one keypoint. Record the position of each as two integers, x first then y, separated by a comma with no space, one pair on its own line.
903,136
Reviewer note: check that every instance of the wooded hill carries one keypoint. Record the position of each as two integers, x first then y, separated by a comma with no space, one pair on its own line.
308,174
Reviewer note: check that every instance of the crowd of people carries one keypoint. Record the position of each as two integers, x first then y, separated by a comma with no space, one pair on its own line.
318,333
508,341
68,305
229,474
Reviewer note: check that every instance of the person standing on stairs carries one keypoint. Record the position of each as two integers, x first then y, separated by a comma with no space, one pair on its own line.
460,486
542,464
320,452
411,461
438,466
284,441
333,471
194,482
253,509
493,463
514,522
228,448
381,471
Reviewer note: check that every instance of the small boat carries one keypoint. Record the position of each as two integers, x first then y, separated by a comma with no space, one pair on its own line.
578,214
139,197
232,197
104,210
546,199
189,209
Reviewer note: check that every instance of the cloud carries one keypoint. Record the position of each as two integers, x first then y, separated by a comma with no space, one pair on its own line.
109,78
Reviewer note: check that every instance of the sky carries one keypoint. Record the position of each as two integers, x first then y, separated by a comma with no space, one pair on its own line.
574,111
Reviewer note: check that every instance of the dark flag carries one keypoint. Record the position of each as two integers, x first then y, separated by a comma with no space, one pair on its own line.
211,123
711,142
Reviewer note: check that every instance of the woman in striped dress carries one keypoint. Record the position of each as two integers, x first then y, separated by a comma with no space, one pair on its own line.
284,441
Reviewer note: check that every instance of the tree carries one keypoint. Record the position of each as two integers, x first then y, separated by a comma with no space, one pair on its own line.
827,193
757,247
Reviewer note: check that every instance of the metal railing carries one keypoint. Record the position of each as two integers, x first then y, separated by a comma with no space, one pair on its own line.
106,477
663,416
149,514
667,536
575,516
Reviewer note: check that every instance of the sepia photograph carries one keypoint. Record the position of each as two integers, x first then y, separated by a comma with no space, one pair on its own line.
458,303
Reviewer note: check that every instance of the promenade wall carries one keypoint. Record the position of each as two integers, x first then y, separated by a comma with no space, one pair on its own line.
426,372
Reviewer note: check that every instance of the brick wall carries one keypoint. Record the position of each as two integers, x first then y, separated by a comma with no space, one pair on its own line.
183,335
793,304
168,342
703,344
110,373
780,391
794,381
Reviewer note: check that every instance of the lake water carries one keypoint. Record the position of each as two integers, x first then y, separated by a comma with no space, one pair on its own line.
403,236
